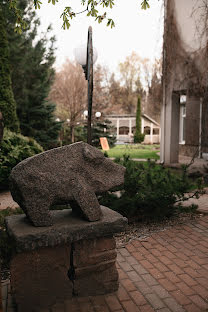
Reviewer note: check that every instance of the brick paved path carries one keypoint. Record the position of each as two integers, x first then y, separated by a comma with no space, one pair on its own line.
166,272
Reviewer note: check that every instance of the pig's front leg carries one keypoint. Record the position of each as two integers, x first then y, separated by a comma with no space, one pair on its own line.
87,201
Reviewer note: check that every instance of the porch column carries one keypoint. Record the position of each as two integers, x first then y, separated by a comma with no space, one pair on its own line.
117,129
151,133
170,129
142,130
130,127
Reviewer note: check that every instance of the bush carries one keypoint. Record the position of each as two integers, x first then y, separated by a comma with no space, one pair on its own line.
13,149
6,243
149,191
138,137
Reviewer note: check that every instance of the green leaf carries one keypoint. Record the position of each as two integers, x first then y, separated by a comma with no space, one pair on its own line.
145,5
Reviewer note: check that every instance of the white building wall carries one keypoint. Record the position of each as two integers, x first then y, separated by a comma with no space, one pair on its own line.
190,16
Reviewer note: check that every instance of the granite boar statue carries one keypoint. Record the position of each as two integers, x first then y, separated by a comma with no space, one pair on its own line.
71,174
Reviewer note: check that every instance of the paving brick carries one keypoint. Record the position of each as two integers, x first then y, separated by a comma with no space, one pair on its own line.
112,303
180,297
199,260
122,294
182,256
147,245
185,289
124,252
130,306
191,272
173,305
167,284
156,273
169,254
139,269
155,301
131,260
165,260
202,281
137,243
172,277
149,279
147,308
152,258
187,279
130,247
122,274
160,291
192,308
165,310
120,258
137,255
134,276
156,252
126,266
143,251
205,266
146,264
200,290
143,288
138,298
128,285
199,302
161,267
172,249
175,268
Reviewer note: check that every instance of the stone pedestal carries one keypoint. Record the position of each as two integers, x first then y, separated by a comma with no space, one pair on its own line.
44,256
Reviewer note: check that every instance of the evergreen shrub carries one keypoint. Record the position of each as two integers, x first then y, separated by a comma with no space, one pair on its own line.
138,136
6,243
13,149
149,191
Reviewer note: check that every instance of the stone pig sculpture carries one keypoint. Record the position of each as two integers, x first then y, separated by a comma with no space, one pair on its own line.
70,174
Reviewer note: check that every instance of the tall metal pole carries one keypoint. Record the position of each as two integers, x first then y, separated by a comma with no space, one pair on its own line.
90,84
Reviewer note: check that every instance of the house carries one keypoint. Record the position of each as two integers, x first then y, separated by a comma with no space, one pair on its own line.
184,115
126,126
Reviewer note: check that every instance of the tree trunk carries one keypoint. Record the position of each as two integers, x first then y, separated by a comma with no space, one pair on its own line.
72,134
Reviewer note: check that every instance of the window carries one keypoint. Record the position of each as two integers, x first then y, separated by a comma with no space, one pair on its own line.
146,130
156,131
182,124
124,130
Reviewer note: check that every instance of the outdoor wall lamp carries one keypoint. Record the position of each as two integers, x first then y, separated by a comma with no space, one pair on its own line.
86,57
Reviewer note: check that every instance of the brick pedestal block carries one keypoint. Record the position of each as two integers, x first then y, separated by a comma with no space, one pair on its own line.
44,255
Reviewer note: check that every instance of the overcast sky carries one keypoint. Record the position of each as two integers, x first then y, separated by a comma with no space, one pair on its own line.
136,30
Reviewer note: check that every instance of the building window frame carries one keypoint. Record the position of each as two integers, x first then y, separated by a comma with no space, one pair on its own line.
182,122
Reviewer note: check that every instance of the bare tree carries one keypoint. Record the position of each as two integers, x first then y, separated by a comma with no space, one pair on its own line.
69,92
154,95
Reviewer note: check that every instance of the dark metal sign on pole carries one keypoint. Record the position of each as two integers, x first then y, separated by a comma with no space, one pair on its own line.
89,75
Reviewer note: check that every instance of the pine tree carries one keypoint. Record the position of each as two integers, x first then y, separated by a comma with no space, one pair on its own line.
103,129
7,102
138,136
32,76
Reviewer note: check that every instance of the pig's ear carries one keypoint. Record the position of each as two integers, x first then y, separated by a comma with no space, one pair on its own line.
92,154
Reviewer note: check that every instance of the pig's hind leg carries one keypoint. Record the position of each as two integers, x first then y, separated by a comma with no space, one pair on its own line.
38,212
